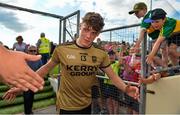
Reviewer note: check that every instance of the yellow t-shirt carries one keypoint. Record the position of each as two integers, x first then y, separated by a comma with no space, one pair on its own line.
79,67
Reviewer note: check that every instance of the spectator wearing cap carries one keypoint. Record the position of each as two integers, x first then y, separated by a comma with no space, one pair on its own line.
44,48
140,10
20,45
169,31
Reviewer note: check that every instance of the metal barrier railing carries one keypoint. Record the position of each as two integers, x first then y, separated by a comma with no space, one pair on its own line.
107,99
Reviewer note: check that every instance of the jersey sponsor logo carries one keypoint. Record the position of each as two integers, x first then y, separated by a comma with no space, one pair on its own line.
84,73
70,56
77,70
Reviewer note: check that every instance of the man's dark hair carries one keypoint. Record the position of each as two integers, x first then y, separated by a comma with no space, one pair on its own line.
94,20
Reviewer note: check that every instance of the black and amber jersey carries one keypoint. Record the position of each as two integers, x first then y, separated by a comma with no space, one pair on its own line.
79,67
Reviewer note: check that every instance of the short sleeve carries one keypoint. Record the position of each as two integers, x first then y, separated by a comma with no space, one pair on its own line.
55,56
106,62
165,32
168,27
143,23
38,43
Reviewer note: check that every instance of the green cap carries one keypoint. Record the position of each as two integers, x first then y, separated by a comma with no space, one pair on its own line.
137,7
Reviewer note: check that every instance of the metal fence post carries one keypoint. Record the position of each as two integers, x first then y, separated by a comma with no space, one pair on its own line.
143,74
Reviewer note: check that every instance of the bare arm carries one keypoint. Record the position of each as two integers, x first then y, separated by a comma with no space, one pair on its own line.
141,37
150,79
46,68
155,48
11,94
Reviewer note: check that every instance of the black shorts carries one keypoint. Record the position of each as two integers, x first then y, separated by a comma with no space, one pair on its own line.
175,39
86,110
95,92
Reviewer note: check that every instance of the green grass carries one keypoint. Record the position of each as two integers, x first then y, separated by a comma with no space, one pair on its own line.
20,108
19,100
46,88
42,99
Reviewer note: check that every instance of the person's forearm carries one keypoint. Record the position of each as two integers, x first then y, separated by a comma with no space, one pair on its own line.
141,38
148,80
155,49
46,68
43,71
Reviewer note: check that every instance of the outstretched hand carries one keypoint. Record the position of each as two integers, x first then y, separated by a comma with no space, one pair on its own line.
15,71
149,59
11,94
132,91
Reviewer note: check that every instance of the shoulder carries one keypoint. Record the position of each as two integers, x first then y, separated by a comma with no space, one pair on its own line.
24,43
39,40
66,44
15,43
170,22
168,27
98,49
143,23
98,46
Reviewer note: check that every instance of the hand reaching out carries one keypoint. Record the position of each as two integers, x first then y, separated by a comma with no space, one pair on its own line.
132,91
14,70
11,94
149,59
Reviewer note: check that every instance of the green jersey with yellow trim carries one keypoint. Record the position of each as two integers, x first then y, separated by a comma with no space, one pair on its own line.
79,67
170,27
152,33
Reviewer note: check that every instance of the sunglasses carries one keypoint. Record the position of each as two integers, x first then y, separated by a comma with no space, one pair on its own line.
32,50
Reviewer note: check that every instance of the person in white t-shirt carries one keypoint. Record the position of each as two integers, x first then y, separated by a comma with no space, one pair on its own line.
20,45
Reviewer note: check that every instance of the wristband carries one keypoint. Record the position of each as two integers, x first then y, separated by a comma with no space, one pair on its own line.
126,88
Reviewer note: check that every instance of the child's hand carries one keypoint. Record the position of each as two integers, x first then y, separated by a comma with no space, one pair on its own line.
152,78
156,76
132,91
141,80
10,95
149,59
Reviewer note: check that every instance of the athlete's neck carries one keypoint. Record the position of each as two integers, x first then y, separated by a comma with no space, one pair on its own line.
79,44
